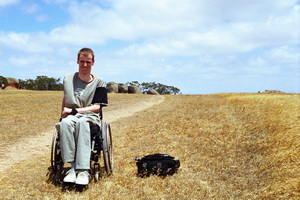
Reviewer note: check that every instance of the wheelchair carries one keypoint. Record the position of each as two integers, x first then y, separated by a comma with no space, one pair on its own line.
101,144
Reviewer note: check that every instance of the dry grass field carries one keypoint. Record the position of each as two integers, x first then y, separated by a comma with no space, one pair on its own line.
231,146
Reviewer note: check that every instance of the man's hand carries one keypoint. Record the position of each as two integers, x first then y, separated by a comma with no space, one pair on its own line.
66,111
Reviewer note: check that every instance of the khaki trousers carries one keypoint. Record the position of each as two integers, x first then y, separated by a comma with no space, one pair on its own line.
75,138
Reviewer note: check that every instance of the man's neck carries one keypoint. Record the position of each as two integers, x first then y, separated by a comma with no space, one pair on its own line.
86,77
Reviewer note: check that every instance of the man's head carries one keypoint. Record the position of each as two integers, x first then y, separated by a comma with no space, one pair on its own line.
85,61
86,52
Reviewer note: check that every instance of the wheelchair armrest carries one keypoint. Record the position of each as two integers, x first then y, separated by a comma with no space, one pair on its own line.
100,114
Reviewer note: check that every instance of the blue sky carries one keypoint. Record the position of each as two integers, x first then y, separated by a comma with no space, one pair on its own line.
198,46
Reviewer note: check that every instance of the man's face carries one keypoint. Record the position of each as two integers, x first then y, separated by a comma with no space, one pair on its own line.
85,63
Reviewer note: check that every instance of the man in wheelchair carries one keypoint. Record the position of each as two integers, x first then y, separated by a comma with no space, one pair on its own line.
84,96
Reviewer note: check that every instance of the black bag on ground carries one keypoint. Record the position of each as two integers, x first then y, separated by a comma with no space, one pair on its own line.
157,164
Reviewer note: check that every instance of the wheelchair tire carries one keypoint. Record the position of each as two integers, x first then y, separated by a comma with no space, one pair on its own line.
54,151
107,148
56,160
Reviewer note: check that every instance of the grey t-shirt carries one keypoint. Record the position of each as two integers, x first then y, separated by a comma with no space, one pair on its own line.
81,94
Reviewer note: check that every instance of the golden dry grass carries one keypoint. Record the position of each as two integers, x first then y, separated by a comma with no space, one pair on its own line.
231,146
27,113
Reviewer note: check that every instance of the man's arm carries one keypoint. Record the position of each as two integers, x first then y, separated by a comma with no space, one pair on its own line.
93,108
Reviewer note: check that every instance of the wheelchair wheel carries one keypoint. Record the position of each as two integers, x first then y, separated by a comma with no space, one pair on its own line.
56,160
107,148
54,151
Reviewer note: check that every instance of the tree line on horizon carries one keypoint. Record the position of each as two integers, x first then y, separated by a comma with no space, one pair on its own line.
41,83
160,88
50,83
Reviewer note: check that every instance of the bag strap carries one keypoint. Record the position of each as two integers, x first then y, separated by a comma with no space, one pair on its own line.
158,156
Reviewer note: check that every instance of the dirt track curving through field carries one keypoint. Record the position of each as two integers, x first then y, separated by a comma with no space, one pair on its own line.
38,145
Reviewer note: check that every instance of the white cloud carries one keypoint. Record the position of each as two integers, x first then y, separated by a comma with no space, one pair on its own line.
4,3
285,54
173,27
30,8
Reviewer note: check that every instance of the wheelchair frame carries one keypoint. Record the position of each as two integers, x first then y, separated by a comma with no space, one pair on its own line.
101,142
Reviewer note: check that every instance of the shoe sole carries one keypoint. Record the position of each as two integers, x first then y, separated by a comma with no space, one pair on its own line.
69,181
81,183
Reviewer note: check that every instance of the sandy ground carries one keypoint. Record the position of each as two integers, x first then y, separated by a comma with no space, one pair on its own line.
42,144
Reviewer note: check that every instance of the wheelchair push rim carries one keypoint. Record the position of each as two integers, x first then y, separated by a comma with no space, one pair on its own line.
107,148
54,151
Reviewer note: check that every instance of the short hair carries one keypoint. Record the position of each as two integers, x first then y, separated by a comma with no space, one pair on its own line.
85,52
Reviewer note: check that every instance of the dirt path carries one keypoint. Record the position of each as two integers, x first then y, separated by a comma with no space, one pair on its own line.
42,144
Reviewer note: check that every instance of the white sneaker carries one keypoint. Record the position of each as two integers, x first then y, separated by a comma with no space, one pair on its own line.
71,176
83,178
